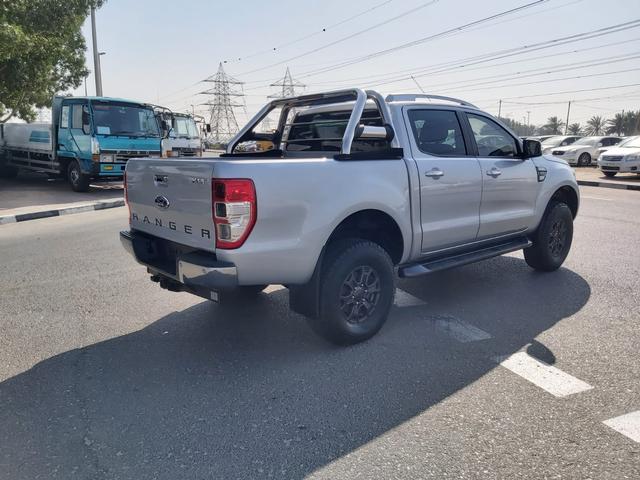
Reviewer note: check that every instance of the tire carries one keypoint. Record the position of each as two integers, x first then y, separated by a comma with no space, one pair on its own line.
552,240
357,291
79,181
584,159
8,172
609,174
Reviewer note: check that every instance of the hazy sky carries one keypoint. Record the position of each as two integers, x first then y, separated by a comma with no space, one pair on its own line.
157,51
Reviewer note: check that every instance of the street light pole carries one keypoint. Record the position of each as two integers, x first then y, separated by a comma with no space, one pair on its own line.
96,55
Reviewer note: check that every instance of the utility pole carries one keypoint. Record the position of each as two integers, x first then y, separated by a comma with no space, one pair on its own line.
225,94
288,86
96,55
566,125
499,108
528,116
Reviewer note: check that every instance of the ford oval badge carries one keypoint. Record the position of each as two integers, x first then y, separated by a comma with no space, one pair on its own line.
162,202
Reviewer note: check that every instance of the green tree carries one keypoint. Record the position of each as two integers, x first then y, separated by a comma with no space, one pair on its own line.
521,129
41,52
553,126
616,124
574,129
595,125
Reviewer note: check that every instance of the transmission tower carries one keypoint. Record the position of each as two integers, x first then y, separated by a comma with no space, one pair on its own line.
226,92
287,86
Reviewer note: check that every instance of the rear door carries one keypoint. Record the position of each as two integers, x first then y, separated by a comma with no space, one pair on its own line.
450,178
510,184
171,199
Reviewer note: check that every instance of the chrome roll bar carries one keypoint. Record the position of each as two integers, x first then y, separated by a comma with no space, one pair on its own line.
358,96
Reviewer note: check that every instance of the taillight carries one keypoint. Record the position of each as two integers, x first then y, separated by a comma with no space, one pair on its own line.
126,196
234,211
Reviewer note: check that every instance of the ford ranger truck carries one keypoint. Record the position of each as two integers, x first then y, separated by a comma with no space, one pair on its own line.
356,190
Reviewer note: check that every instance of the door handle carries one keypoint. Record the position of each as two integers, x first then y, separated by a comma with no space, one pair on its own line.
434,173
494,172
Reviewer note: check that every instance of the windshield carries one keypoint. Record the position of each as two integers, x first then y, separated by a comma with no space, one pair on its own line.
184,127
552,141
124,119
633,142
592,142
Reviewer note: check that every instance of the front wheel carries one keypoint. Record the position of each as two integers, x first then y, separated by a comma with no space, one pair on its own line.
552,240
357,290
609,174
79,181
8,172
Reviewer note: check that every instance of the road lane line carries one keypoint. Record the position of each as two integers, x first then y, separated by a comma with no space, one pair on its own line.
597,198
459,329
404,299
628,425
550,379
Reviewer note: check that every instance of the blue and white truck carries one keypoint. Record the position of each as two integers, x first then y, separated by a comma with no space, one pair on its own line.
88,139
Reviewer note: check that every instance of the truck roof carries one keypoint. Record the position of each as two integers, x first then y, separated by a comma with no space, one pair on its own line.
104,99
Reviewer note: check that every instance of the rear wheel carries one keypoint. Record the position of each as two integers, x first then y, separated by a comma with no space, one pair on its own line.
552,240
584,159
79,181
609,174
357,290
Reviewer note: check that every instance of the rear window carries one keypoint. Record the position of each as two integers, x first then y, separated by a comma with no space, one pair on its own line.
323,131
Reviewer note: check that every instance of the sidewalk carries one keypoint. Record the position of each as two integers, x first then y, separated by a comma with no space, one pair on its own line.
32,195
593,177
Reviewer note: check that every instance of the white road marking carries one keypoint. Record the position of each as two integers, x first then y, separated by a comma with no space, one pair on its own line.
597,198
628,425
551,379
460,330
404,299
273,288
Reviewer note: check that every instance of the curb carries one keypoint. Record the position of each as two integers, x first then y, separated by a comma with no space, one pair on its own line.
23,217
591,183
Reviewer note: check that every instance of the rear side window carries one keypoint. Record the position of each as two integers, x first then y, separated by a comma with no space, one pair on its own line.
76,116
437,132
323,131
64,118
491,138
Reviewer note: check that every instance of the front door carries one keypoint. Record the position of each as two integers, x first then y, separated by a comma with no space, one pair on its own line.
510,183
450,178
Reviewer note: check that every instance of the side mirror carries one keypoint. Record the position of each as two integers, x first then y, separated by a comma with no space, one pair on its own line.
208,127
165,128
379,133
86,122
531,148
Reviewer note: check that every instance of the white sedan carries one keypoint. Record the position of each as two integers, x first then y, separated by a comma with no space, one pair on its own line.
621,159
583,151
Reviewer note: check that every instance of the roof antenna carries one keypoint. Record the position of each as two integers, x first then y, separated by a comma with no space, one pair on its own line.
416,82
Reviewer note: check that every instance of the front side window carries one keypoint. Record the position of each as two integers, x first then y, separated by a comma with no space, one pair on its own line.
437,132
64,117
491,138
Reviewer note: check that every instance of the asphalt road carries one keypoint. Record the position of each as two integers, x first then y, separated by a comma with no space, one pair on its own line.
104,376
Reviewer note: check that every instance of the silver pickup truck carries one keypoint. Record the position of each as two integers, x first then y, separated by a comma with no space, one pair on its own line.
356,189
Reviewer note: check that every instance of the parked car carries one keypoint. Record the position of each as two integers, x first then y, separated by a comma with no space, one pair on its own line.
624,158
584,150
357,188
540,138
557,141
624,140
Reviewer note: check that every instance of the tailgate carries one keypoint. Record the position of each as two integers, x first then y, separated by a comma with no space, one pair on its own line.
171,199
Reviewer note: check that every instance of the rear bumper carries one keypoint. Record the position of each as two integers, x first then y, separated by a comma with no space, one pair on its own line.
195,270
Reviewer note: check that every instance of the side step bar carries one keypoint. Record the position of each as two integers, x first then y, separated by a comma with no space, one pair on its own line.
460,259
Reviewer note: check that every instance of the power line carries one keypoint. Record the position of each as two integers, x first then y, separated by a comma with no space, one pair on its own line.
311,35
343,39
435,36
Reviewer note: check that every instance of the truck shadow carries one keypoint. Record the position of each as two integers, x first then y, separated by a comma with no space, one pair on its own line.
247,391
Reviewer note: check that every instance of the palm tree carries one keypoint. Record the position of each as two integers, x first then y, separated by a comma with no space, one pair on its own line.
595,125
616,124
574,129
554,126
